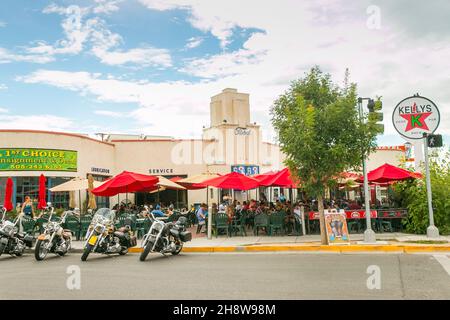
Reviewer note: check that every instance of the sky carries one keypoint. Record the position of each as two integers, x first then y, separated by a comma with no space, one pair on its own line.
151,66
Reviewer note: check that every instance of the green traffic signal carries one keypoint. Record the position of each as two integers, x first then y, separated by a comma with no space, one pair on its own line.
375,117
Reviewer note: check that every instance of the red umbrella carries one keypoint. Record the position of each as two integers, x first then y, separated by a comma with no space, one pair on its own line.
233,180
176,179
42,193
263,176
388,173
127,182
281,179
7,204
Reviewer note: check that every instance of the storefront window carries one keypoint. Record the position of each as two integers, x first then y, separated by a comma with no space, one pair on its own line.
29,186
2,189
58,199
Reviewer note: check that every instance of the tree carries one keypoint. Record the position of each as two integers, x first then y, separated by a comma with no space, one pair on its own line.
320,132
412,195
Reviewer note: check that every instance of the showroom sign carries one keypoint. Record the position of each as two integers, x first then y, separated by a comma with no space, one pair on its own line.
29,159
415,116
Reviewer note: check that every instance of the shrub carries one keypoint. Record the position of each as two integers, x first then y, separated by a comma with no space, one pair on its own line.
413,196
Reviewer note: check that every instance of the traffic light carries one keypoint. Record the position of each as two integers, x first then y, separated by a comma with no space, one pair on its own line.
434,141
376,115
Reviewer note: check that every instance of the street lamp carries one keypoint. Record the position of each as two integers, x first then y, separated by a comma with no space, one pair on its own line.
369,234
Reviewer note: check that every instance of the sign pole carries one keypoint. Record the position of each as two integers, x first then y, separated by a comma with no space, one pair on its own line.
369,234
432,230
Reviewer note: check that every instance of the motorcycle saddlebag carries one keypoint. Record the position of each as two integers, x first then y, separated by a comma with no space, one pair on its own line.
185,236
133,241
28,240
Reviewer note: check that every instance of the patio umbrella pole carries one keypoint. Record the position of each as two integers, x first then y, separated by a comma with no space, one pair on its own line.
81,205
209,233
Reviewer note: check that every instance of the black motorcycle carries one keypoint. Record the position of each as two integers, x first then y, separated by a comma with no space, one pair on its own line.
165,237
12,241
102,236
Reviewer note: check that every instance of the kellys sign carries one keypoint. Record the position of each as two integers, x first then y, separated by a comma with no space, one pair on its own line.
415,116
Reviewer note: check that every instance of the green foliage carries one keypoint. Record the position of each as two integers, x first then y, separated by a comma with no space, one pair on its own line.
319,129
413,196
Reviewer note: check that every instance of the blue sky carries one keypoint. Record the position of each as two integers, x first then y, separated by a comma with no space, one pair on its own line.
151,66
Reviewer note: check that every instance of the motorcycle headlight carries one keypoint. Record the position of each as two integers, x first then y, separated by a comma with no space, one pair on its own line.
99,228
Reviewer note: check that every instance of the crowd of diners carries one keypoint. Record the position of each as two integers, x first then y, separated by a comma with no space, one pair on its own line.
198,215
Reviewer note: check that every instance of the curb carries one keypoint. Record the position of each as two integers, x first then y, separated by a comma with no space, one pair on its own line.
315,248
306,248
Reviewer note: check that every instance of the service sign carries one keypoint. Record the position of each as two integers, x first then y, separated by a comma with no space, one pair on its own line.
29,159
415,116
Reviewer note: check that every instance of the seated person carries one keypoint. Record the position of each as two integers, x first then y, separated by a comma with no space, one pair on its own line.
202,214
157,212
170,210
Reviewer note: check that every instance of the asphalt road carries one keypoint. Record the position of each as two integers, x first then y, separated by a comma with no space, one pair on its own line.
226,276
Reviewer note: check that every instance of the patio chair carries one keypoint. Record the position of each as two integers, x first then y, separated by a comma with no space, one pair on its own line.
73,224
85,221
238,225
142,228
221,223
39,224
385,225
261,221
276,222
174,217
353,225
28,225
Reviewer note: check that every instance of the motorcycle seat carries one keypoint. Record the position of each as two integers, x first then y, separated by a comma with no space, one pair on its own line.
66,233
119,234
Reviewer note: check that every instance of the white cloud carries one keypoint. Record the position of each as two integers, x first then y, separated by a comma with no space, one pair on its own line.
3,86
2,24
141,56
3,110
194,42
163,5
36,122
106,6
390,61
82,30
8,57
112,114
221,65
203,16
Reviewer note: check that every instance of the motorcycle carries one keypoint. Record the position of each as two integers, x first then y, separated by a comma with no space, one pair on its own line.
102,236
12,241
165,237
54,239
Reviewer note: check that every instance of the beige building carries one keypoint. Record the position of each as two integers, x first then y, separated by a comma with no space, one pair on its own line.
232,142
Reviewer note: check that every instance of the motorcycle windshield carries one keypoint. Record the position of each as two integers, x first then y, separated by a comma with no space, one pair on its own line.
105,213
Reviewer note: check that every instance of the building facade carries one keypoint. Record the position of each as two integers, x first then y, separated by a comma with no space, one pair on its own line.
232,142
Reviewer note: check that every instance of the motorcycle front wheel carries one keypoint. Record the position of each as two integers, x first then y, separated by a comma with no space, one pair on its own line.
2,248
146,251
86,252
41,251
178,249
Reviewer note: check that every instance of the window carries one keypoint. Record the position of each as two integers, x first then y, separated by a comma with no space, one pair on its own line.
59,199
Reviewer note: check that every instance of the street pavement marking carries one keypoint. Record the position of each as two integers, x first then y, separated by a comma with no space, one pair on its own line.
444,261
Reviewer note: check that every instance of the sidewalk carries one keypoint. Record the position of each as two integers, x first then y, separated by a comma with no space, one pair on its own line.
388,242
